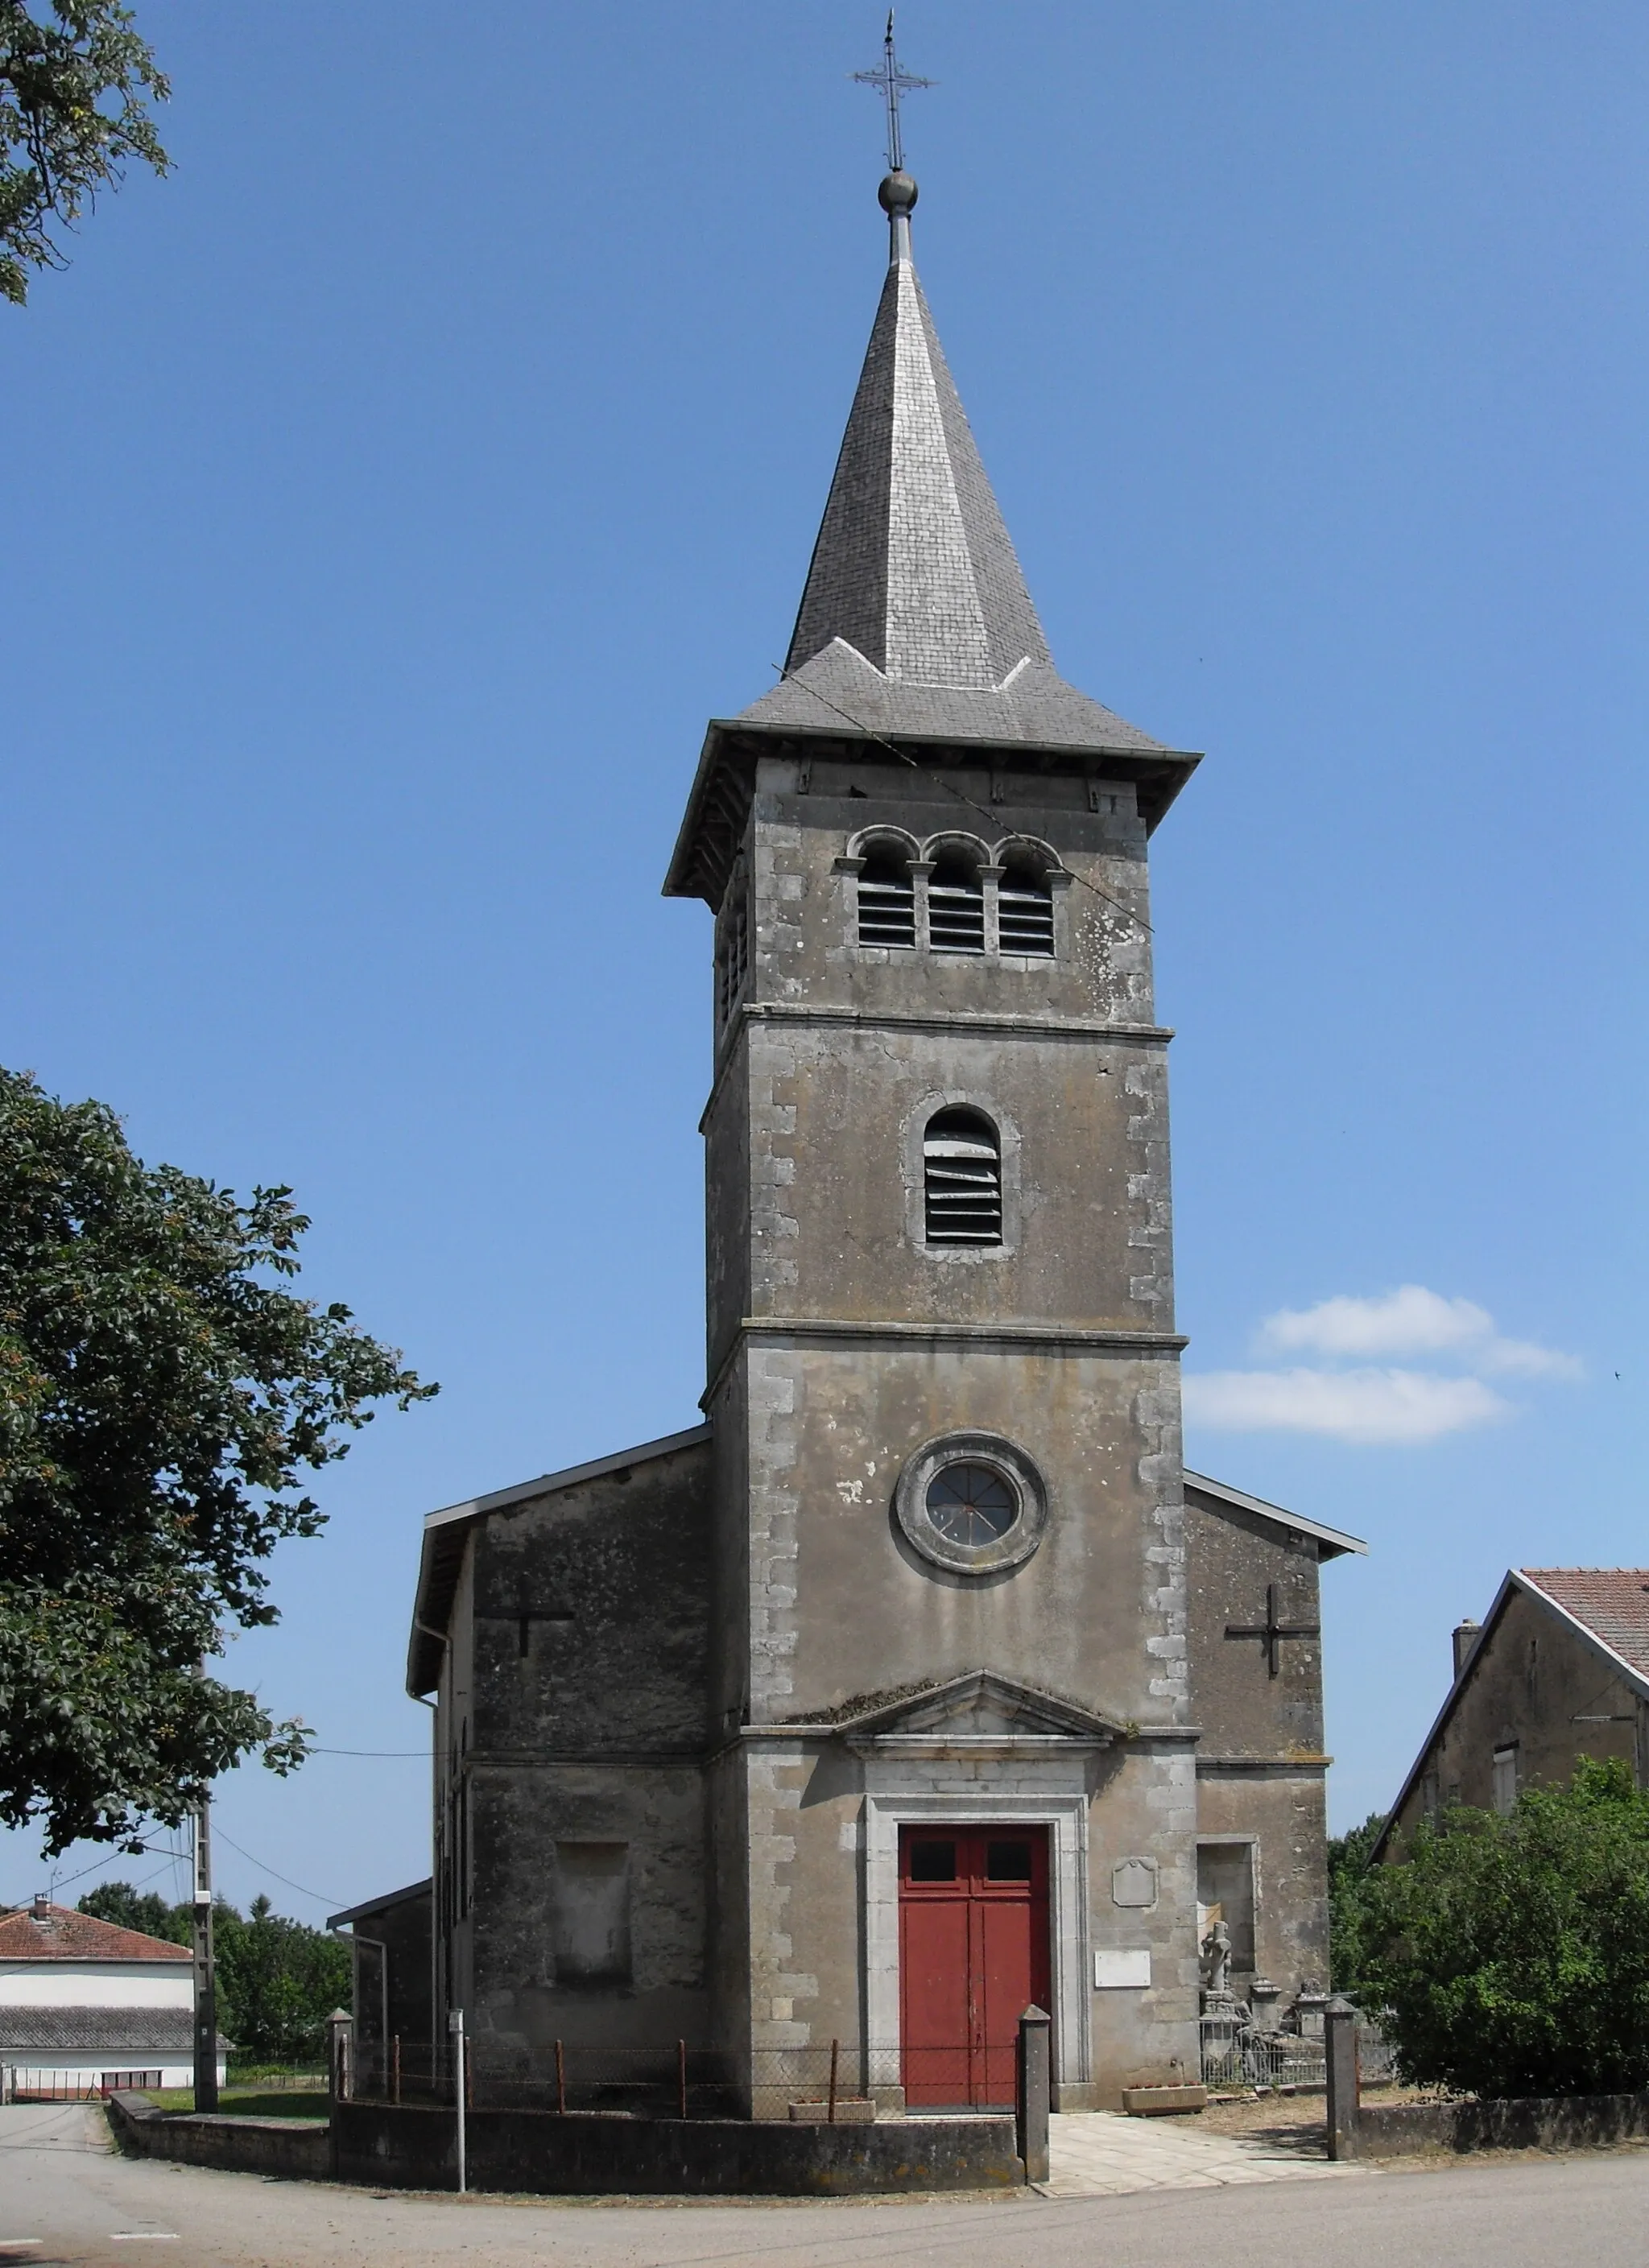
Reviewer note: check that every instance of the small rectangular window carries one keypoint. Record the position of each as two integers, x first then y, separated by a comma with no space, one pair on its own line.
1007,1862
1506,1778
933,1862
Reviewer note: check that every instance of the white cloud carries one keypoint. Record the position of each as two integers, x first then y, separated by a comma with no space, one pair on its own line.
1367,1406
1412,1320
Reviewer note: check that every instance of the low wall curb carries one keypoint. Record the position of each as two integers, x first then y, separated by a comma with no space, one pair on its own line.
297,2149
539,2153
1557,2121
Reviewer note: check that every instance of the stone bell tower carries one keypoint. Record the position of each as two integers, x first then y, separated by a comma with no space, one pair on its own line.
943,1371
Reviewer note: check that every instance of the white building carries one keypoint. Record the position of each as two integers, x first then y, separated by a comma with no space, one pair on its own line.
84,2005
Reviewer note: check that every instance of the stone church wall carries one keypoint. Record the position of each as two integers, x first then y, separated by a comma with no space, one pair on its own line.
591,1616
1262,1819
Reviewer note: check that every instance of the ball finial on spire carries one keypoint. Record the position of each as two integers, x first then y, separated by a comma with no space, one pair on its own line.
897,194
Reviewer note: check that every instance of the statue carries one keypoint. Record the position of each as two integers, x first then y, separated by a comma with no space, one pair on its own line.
1216,1950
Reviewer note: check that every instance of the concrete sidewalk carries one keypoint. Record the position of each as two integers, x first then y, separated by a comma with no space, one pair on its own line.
1099,2154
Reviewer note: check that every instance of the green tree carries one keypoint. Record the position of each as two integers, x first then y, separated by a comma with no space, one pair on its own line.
162,1395
73,76
146,1912
278,1981
1511,1956
1348,1896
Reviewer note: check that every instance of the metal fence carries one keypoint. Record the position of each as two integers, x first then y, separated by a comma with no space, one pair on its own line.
1248,2057
839,2081
21,2083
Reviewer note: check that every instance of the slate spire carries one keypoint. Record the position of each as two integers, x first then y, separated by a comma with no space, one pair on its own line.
913,567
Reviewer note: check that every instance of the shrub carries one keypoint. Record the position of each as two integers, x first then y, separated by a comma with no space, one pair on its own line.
1510,1956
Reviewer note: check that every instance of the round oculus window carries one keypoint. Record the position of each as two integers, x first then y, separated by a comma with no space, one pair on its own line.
972,1503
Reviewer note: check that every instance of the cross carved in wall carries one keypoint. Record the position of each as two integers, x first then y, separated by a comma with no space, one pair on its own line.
1272,1632
526,1616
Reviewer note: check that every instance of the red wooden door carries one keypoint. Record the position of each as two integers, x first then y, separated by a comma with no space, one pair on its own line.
973,1954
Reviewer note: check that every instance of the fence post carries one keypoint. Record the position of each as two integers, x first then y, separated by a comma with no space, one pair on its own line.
681,2075
395,2085
836,2065
561,2079
1339,2026
1031,2093
340,2023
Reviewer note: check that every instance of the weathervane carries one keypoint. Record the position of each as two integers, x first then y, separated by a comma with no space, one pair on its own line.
893,83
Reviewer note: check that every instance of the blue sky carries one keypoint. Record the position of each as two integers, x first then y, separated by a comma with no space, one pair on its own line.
395,491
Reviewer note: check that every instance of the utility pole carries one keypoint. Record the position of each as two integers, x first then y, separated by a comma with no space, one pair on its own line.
205,1971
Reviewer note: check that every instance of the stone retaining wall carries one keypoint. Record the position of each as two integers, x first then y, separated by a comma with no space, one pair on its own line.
588,2155
300,2148
1562,2122
584,2154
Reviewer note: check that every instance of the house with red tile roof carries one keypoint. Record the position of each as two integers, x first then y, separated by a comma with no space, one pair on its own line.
84,2004
1558,1669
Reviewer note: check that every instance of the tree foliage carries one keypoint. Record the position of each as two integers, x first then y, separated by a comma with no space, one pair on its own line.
1348,1896
1510,1956
73,76
162,1395
277,1980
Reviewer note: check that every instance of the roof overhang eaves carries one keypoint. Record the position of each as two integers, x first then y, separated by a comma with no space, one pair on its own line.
446,1533
731,745
423,1889
1334,1542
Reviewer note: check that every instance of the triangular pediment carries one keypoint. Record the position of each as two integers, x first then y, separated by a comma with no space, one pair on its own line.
980,1705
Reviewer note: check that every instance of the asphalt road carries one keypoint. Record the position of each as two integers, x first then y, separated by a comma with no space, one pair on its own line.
61,2185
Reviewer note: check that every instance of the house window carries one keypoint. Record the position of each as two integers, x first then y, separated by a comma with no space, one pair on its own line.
956,903
887,897
962,1179
1506,1778
1025,907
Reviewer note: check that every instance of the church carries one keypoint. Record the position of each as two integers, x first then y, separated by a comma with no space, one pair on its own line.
918,1681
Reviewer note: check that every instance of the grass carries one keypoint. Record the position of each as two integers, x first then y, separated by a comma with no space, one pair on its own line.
250,2102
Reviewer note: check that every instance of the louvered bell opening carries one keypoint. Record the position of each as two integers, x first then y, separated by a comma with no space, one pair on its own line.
1025,913
888,900
956,909
962,1172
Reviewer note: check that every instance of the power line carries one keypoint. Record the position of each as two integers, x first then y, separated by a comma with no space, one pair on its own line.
320,1899
422,1753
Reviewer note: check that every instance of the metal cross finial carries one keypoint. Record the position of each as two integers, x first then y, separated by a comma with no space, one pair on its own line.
893,83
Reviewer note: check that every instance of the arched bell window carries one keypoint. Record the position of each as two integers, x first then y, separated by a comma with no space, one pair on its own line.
887,897
962,1178
956,902
1025,906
